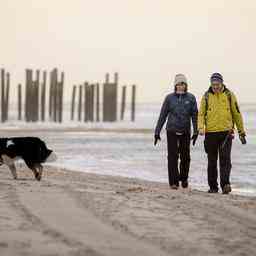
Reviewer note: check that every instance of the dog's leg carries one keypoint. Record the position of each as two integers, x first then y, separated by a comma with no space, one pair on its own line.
40,171
36,174
10,163
13,170
32,167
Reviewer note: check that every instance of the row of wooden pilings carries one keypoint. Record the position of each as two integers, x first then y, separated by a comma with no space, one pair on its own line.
89,101
35,97
91,104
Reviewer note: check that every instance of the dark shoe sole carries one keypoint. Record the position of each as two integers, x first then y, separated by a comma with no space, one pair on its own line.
213,191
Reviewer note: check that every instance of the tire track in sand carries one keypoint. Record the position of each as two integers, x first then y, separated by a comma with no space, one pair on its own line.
50,205
30,234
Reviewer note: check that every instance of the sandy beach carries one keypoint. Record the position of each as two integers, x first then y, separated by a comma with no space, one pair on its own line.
73,213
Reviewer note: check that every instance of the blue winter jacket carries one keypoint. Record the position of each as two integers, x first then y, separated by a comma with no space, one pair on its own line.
180,110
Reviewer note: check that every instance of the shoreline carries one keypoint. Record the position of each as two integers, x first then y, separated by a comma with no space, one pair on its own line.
203,189
67,129
77,213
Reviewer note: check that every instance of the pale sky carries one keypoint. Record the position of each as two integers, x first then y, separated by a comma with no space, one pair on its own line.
147,42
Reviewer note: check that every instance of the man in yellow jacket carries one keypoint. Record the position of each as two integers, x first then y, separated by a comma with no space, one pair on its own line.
219,112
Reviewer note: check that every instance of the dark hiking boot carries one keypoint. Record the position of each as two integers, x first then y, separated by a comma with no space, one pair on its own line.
174,187
213,190
226,189
184,184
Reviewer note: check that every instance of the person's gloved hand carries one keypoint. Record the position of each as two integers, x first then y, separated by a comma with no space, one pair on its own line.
157,138
242,138
194,138
201,132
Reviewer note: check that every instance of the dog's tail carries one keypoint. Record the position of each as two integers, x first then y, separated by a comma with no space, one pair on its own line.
51,156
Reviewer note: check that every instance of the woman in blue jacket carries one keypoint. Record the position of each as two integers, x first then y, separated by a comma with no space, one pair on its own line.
180,107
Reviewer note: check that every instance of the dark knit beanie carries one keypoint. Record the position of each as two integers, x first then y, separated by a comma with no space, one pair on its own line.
216,77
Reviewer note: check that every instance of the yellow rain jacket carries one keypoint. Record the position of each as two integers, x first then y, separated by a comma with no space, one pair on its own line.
219,116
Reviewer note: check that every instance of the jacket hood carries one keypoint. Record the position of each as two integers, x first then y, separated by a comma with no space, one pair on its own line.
211,91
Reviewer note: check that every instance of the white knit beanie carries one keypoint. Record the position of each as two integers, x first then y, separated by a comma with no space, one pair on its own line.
180,78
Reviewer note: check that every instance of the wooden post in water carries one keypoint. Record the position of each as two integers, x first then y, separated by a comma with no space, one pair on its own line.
123,102
57,96
31,97
2,94
29,74
97,102
43,90
19,102
32,108
115,93
61,88
7,93
80,103
26,96
36,96
92,102
113,102
116,78
51,95
32,100
52,98
73,102
110,99
55,93
133,103
107,78
85,102
89,102
105,99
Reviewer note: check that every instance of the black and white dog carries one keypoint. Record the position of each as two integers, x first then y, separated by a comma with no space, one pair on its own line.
31,149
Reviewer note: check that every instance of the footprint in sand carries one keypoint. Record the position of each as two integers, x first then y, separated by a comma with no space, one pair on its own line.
136,189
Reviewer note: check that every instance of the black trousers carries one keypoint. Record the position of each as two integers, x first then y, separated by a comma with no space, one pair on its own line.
214,147
178,147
